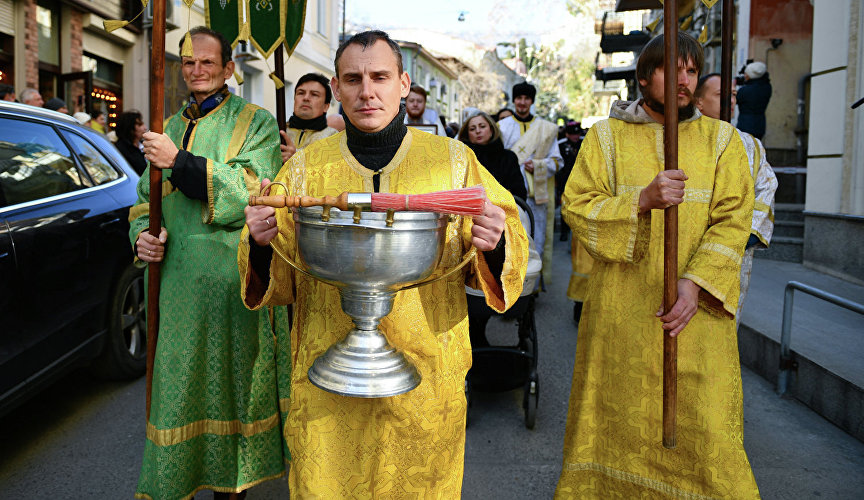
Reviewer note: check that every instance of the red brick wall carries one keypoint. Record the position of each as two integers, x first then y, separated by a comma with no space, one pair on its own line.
76,49
788,19
31,44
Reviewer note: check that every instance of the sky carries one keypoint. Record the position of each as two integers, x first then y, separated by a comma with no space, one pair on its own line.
486,21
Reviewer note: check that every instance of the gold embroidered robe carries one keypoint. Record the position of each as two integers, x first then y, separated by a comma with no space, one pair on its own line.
406,446
304,137
613,445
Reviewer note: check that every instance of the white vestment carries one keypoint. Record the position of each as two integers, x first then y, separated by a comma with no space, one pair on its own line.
512,131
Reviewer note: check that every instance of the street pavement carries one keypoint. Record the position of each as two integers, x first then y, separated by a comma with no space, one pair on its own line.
83,438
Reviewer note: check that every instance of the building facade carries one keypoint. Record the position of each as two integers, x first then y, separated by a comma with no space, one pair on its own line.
62,49
431,73
834,209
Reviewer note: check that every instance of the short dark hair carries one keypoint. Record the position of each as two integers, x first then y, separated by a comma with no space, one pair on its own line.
6,90
204,30
652,56
126,124
419,91
367,39
96,113
317,77
700,87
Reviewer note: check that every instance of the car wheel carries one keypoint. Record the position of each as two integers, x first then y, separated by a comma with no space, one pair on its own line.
124,354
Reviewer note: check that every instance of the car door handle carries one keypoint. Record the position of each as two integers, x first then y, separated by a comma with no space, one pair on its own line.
110,222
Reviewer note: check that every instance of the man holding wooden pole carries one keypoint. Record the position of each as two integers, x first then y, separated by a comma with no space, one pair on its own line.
214,421
613,201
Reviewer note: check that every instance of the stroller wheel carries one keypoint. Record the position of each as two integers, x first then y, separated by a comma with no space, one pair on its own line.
532,395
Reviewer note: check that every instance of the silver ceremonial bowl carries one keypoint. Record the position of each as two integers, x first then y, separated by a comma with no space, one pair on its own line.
369,260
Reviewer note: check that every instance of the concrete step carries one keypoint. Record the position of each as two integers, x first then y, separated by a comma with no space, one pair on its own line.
788,211
784,248
786,228
826,341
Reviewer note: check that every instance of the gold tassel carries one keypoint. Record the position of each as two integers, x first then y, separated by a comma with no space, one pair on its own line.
187,47
653,24
238,78
703,37
277,81
709,3
113,24
687,22
244,32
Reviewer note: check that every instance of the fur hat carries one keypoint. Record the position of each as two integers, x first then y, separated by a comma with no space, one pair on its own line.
55,103
82,117
755,70
525,89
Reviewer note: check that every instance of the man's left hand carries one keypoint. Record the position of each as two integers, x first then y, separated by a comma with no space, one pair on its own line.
683,310
159,150
488,228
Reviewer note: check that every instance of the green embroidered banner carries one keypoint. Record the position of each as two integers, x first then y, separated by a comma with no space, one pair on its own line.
294,21
225,17
266,24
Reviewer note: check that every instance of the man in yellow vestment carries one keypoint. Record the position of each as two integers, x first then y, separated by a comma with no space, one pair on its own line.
612,201
312,96
411,445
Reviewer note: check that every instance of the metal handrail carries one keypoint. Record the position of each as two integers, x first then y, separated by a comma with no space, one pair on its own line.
786,361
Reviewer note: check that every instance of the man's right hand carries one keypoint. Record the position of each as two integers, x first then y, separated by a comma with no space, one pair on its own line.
288,149
150,248
261,221
665,190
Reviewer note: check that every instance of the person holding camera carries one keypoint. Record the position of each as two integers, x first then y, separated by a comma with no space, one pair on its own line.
753,96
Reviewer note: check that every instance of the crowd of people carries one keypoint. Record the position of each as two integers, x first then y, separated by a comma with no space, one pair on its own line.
232,401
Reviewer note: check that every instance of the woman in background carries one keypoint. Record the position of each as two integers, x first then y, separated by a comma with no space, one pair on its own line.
130,130
481,134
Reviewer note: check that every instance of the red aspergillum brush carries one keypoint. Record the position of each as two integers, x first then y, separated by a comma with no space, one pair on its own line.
465,201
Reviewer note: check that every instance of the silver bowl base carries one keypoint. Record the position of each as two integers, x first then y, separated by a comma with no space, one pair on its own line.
353,368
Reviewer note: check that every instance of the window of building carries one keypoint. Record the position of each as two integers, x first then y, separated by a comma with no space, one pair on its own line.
176,95
7,59
48,34
322,17
107,94
36,163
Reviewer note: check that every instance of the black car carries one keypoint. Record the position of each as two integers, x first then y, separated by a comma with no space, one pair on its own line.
69,294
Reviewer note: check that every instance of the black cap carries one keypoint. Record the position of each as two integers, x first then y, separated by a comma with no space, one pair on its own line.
572,127
525,89
55,103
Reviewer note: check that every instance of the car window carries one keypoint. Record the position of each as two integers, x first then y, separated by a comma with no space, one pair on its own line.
34,163
94,162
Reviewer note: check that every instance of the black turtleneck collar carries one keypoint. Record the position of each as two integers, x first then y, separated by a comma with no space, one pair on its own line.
485,150
524,120
316,124
375,150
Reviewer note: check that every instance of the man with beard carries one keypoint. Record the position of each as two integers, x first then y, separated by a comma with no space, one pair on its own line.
535,142
312,96
707,99
613,202
416,112
411,445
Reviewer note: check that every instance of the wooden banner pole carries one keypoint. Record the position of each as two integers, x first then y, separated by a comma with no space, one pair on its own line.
157,103
670,218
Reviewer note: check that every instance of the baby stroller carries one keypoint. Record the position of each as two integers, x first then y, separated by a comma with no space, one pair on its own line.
499,368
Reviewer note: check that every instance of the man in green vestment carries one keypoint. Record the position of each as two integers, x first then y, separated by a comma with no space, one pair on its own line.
214,418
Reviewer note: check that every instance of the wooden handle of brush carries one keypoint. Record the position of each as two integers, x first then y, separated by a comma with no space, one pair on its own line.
280,201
